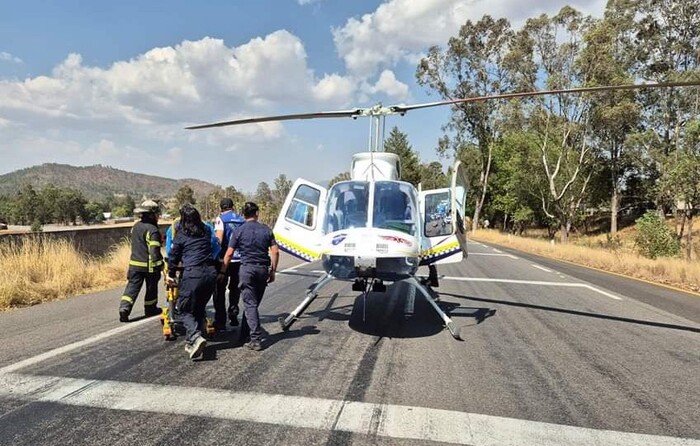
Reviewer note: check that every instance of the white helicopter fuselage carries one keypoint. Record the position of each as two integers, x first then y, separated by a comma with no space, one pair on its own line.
373,226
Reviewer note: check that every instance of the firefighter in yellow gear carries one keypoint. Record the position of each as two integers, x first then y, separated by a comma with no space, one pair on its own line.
145,264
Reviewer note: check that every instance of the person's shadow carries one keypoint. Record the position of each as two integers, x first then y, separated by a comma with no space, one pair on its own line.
228,340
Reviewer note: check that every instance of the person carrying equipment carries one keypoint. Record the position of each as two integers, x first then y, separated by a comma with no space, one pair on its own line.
172,327
195,246
224,225
145,264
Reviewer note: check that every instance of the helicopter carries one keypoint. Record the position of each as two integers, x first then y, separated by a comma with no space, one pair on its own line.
375,228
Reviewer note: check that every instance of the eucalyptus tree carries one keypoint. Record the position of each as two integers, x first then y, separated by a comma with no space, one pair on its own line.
432,176
472,64
559,123
607,59
667,38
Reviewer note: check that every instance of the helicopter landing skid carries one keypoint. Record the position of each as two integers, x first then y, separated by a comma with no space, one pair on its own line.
454,330
311,294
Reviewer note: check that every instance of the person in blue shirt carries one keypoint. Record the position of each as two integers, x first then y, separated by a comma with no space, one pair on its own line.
224,225
259,258
193,248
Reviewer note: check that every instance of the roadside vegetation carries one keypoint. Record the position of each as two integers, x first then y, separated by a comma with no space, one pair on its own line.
32,272
617,256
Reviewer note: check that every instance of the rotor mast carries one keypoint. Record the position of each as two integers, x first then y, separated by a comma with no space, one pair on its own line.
377,124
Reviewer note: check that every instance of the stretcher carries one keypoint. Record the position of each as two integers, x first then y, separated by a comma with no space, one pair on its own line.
168,318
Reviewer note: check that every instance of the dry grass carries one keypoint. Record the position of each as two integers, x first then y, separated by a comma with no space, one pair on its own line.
676,272
32,272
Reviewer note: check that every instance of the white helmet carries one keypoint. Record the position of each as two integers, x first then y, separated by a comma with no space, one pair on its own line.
148,206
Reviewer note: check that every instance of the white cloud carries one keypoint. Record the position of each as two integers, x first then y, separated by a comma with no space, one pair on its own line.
308,2
7,57
402,29
389,85
148,100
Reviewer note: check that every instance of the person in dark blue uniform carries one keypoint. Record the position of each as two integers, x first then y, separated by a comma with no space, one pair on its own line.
259,259
196,246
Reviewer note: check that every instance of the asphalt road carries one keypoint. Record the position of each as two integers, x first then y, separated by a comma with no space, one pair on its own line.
552,354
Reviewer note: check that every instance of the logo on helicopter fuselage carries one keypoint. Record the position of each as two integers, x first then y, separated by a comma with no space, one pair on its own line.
337,239
395,239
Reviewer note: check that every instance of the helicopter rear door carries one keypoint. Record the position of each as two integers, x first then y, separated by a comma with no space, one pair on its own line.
298,229
459,188
439,242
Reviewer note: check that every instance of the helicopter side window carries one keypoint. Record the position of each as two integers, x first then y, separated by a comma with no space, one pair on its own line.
438,220
302,210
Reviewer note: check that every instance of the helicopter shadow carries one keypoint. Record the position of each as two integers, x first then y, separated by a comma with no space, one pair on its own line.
402,312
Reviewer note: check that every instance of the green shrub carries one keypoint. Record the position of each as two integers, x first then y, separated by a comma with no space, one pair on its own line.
36,226
654,238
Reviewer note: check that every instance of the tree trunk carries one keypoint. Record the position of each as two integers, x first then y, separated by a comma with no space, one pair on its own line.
684,217
484,185
689,237
614,207
475,220
564,232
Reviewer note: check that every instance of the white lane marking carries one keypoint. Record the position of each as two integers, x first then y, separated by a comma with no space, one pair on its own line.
533,282
492,255
75,345
381,420
604,293
85,342
497,250
541,267
291,268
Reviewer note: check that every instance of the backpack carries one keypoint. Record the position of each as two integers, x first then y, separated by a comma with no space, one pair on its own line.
231,221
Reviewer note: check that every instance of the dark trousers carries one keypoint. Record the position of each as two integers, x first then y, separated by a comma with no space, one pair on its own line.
196,287
135,279
234,295
253,281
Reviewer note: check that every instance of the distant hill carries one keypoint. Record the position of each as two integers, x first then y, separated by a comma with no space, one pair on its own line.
98,182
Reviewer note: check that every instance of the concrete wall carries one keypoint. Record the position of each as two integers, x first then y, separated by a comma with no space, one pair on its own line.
94,241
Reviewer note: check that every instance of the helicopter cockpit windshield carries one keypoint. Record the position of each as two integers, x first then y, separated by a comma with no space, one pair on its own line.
347,206
394,207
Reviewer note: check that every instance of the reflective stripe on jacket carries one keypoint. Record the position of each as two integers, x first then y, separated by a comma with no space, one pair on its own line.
145,248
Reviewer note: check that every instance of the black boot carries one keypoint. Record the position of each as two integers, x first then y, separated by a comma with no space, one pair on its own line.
123,316
152,310
233,316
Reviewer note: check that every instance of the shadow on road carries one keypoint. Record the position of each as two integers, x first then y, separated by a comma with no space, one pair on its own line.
402,312
578,313
229,340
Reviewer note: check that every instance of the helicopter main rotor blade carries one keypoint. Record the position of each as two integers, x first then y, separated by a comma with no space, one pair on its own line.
405,108
379,110
329,114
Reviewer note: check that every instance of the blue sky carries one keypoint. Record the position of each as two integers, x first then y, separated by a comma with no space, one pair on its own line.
114,83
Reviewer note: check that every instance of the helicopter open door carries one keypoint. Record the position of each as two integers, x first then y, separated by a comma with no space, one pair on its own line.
443,215
439,244
299,226
459,204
